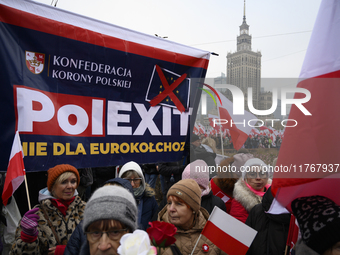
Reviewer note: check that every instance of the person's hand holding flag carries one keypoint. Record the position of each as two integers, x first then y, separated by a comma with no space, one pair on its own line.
29,224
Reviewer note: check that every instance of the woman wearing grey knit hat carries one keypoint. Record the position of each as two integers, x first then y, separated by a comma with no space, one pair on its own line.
185,212
143,193
78,237
110,213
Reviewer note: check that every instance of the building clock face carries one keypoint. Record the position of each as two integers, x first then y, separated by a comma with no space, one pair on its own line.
244,31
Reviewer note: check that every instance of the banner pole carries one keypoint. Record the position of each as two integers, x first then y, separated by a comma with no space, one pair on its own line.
221,133
221,140
27,193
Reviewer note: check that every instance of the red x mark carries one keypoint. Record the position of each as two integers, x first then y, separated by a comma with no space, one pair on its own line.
168,90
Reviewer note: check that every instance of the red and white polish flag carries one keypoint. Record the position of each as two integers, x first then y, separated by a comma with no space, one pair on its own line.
227,233
237,124
255,131
15,171
312,148
211,122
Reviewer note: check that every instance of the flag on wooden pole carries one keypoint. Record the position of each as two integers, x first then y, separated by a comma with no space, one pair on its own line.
227,233
238,125
16,171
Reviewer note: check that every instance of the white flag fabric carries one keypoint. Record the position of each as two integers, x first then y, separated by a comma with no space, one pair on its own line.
16,171
311,148
238,125
227,233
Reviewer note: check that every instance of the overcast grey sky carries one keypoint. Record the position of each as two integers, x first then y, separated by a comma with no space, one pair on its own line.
280,29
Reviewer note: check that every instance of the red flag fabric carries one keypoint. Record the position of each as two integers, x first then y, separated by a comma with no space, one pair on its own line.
266,129
237,124
15,171
201,128
211,122
310,150
293,233
274,131
196,129
227,233
255,131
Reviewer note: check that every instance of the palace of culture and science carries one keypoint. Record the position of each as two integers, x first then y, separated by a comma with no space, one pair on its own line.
244,71
244,65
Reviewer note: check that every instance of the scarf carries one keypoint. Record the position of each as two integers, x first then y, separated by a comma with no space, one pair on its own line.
62,205
137,192
258,192
205,191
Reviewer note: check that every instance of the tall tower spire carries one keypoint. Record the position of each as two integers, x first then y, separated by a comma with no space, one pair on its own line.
244,39
244,65
244,11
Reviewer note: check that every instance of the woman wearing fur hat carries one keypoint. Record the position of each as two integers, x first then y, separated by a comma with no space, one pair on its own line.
47,228
143,193
250,188
185,212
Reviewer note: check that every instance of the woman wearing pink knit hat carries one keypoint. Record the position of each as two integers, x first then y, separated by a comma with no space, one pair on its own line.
199,172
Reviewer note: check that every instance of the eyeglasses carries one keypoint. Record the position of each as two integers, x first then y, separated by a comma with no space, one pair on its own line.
136,180
114,235
254,175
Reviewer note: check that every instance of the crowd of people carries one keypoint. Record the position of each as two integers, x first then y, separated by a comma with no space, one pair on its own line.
263,141
67,222
253,142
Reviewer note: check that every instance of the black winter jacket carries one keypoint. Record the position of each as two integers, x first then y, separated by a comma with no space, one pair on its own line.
77,239
209,201
272,228
169,169
149,169
199,152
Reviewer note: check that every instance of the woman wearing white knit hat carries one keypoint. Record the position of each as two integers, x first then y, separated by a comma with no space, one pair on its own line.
250,188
